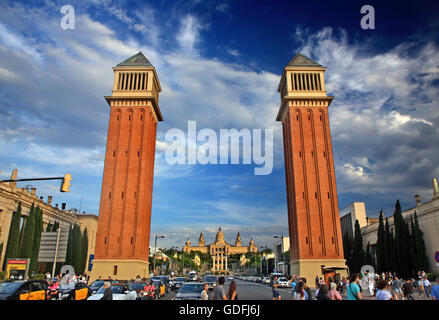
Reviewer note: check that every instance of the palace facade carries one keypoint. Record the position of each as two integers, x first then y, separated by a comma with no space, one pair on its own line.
220,250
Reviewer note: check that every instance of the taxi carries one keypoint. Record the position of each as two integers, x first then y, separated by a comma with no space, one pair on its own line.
75,291
24,290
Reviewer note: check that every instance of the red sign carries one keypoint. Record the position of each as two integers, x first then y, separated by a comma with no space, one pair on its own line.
14,261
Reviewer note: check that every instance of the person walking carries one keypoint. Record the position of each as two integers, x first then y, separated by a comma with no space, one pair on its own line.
353,289
300,292
435,290
108,293
274,286
293,284
323,292
204,293
426,283
333,294
407,289
232,294
420,286
383,292
218,292
397,284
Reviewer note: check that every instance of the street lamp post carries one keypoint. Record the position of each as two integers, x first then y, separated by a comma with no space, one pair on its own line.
282,251
155,249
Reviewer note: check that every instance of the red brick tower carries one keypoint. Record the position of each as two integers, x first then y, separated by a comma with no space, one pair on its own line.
313,216
122,240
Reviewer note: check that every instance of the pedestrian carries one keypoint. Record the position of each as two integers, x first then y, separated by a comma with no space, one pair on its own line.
317,282
353,289
274,286
232,294
435,290
333,294
307,289
323,292
218,292
138,279
108,293
204,293
148,291
293,284
407,289
397,286
300,292
426,283
383,292
420,286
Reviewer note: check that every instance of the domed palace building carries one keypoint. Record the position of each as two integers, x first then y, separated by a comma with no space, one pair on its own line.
220,250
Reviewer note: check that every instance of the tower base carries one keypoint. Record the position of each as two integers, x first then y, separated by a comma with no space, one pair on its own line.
119,269
310,268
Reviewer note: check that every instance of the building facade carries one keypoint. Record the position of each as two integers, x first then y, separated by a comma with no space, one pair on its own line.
313,216
220,250
11,195
123,232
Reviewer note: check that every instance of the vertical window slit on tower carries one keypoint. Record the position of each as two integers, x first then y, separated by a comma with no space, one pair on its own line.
300,153
328,195
105,240
138,153
122,195
315,193
131,240
109,195
306,238
332,239
114,153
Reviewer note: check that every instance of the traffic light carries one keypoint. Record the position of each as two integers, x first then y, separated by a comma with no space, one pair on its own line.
66,183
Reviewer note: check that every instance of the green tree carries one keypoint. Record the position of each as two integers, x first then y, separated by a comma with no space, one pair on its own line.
388,247
84,251
402,238
413,253
76,248
420,246
14,235
358,255
37,239
69,253
347,250
28,235
380,245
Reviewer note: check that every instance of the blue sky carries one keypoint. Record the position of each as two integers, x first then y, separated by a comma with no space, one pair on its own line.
219,64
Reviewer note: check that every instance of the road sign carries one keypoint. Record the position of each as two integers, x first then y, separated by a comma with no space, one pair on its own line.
17,269
48,246
436,257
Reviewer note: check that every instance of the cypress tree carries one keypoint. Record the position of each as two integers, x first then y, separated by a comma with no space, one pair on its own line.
380,246
84,250
420,246
76,248
358,255
388,247
402,239
12,245
28,235
347,250
414,255
37,238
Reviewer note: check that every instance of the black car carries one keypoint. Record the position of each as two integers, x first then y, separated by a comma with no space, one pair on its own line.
24,290
97,284
177,283
138,286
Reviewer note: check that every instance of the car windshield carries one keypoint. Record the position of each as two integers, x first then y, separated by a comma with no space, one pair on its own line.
115,289
9,287
283,279
192,287
180,279
157,283
210,279
97,283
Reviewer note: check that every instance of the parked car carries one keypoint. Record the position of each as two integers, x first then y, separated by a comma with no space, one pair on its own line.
75,291
24,290
266,280
190,291
121,291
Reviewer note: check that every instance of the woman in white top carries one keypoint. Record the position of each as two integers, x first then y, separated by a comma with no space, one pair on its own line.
204,295
383,293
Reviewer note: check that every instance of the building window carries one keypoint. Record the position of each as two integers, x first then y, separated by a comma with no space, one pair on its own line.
115,270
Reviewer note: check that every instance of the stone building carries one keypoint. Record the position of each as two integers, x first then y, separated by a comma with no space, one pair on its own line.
428,218
11,195
220,249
